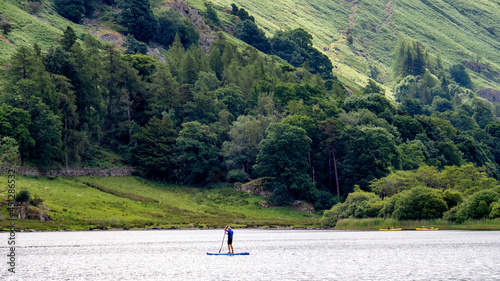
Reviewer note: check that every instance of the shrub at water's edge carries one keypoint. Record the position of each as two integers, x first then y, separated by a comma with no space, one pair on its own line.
456,197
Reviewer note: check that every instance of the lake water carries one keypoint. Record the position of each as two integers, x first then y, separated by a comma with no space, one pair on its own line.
274,255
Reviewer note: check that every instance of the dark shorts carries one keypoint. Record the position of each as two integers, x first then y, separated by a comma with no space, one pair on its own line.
229,241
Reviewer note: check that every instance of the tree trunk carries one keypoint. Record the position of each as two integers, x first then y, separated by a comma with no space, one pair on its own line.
129,125
66,141
313,174
336,174
330,153
310,165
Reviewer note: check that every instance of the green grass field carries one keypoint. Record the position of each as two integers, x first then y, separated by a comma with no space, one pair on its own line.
132,202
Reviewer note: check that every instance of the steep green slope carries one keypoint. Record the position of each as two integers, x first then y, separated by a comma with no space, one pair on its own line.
46,28
456,30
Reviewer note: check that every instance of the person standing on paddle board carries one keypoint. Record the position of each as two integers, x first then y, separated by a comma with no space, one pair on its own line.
229,232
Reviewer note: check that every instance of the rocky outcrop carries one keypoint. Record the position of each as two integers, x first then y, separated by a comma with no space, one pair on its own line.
76,172
303,206
31,213
108,37
3,18
230,29
490,94
264,204
155,53
185,11
255,187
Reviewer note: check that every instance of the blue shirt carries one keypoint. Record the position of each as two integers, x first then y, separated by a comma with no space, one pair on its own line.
230,233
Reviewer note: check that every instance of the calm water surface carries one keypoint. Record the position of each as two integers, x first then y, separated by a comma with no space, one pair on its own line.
274,255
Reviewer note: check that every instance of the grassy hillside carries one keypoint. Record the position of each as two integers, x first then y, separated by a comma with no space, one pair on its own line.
84,202
457,30
45,28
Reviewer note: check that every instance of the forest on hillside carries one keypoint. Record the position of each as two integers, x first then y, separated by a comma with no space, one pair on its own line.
273,110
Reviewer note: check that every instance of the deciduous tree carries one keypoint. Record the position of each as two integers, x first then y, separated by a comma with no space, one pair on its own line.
283,155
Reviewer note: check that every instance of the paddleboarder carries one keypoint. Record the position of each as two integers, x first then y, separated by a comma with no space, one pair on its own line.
229,232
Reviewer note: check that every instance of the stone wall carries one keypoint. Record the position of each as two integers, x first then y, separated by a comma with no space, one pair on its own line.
76,172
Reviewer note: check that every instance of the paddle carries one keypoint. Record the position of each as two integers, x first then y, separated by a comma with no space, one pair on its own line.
223,237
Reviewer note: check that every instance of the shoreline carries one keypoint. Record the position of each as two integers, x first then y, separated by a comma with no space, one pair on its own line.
458,228
168,228
125,203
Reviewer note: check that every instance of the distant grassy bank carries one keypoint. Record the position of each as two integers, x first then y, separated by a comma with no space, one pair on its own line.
132,202
377,223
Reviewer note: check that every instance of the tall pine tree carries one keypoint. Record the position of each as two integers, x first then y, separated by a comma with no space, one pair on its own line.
139,19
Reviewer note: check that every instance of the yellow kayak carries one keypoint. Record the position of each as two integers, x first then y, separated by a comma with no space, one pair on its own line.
390,229
426,228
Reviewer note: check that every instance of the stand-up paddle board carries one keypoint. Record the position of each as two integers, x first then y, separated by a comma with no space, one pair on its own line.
228,254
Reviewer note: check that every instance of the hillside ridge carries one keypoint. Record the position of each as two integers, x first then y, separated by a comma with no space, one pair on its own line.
457,30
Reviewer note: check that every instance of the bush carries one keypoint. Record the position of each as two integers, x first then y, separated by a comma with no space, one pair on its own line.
389,205
23,196
134,46
460,75
281,194
331,217
479,205
211,14
452,199
350,39
70,9
236,175
170,24
420,203
6,27
35,201
360,204
495,210
322,199
249,33
34,7
452,215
